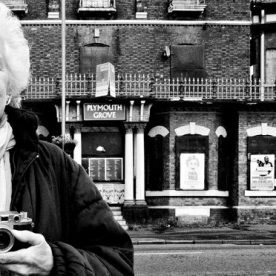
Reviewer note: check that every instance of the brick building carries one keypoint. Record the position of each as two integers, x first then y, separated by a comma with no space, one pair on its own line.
189,125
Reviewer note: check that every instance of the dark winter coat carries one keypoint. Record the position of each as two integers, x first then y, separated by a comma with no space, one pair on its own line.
65,205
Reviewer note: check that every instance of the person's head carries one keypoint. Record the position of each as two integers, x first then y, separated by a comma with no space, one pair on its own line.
14,58
192,162
266,159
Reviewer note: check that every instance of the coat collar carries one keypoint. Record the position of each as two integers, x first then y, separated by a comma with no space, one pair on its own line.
24,124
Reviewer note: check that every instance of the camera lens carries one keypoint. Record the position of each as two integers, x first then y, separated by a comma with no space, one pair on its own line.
16,218
6,239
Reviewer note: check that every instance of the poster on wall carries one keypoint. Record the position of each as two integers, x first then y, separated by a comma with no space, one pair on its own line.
262,171
192,171
105,80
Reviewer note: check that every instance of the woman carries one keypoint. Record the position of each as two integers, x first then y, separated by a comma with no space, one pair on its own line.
74,231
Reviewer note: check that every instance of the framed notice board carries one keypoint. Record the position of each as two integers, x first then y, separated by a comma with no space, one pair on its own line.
106,169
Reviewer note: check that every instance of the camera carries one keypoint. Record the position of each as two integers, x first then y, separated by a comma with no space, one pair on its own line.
12,220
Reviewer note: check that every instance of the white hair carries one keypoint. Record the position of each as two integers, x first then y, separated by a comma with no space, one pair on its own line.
15,50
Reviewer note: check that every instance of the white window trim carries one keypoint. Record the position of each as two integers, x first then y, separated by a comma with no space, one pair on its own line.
187,193
263,129
260,193
192,128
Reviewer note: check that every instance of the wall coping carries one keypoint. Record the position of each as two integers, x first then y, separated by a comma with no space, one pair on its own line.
140,22
260,193
188,207
187,193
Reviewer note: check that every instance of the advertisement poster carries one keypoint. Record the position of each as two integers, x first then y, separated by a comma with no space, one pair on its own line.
192,171
105,80
262,172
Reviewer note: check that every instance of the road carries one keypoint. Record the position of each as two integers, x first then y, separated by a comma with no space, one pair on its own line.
196,259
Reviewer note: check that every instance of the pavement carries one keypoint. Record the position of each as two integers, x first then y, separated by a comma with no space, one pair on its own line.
242,234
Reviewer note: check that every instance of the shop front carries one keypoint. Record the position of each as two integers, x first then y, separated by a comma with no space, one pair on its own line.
110,146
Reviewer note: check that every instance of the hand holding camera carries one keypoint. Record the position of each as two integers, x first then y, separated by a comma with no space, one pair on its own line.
37,258
12,220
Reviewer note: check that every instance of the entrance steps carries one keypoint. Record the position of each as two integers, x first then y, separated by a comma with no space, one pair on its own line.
117,213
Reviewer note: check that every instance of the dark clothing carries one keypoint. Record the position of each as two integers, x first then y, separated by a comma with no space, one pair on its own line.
65,205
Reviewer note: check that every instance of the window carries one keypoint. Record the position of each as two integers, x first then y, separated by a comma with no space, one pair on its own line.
261,162
187,61
97,7
186,6
91,55
155,148
19,7
224,163
97,3
102,149
192,157
270,65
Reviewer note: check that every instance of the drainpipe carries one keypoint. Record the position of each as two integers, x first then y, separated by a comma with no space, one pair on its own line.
262,56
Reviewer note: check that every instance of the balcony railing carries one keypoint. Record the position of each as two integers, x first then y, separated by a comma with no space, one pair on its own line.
145,86
16,5
97,6
186,6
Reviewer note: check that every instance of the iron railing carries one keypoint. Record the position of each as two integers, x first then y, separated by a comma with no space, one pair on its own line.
182,5
97,3
15,3
146,86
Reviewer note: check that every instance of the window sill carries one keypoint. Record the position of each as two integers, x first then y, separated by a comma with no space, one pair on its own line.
18,8
141,15
88,9
260,193
187,193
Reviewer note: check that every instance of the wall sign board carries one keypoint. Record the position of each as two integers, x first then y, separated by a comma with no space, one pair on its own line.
104,112
105,169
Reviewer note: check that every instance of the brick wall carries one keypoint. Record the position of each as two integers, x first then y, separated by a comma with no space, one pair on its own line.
227,51
139,48
248,120
157,9
228,10
72,9
186,201
256,216
172,118
37,9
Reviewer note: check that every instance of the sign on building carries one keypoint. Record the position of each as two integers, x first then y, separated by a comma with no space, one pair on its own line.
262,171
105,80
105,169
192,170
103,112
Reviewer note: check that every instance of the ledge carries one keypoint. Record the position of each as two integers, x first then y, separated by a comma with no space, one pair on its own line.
91,9
141,22
260,193
188,193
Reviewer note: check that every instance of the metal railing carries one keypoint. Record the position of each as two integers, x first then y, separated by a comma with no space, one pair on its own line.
146,86
14,3
186,4
96,3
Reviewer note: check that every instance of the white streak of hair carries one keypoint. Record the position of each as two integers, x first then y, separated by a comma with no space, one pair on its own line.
16,51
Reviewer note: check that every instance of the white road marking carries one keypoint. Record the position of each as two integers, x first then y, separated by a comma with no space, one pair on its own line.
168,253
